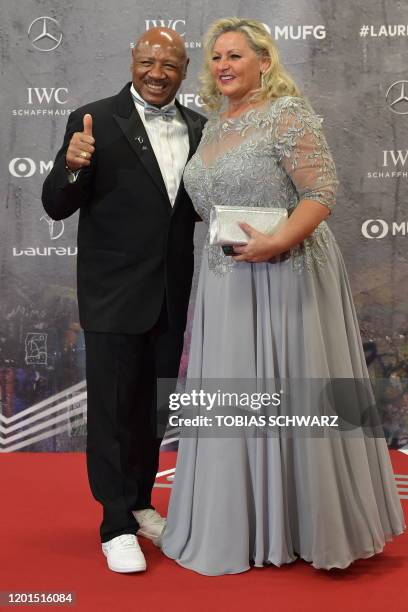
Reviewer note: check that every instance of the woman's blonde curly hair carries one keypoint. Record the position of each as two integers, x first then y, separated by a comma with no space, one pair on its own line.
276,82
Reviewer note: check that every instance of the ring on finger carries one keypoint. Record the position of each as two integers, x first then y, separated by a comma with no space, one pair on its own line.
83,154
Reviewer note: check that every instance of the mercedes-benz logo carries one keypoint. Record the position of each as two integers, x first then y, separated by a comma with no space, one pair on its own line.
55,228
397,97
45,33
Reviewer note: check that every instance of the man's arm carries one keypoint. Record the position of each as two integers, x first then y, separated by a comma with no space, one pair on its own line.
63,194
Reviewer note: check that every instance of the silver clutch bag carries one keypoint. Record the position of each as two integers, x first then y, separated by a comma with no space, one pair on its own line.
224,228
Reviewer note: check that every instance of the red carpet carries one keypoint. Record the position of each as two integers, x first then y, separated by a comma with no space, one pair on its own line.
50,543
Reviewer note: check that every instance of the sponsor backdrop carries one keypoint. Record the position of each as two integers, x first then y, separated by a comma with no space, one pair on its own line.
350,60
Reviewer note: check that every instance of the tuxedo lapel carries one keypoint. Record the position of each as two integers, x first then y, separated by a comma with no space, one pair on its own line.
133,129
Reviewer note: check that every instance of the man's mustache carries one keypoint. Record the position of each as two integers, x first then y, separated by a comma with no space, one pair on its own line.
152,82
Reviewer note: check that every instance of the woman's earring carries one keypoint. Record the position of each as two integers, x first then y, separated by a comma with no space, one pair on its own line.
262,80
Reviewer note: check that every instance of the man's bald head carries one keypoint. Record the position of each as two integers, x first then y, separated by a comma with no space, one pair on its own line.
163,37
159,65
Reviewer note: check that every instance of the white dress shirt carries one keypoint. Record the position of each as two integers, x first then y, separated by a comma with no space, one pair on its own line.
170,143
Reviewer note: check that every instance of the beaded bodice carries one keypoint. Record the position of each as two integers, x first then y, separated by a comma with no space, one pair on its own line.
274,155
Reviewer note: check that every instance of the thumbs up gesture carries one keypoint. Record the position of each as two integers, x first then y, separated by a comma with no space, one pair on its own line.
81,146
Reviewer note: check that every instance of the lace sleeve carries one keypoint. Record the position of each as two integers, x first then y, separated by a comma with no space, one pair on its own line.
302,150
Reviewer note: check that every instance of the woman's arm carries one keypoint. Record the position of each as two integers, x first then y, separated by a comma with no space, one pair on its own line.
260,247
301,149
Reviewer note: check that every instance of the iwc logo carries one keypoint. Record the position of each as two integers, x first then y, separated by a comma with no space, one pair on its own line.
178,25
45,102
394,165
45,33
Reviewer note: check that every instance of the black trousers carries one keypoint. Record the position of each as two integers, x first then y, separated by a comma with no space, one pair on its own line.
123,439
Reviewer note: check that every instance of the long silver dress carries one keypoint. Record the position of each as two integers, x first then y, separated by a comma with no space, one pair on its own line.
244,499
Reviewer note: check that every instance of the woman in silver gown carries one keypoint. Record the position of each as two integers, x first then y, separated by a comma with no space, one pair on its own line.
270,499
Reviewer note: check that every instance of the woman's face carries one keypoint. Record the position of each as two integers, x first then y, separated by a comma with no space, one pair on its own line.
235,66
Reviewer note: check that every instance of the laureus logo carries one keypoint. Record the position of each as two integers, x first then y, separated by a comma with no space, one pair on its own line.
55,228
45,33
55,231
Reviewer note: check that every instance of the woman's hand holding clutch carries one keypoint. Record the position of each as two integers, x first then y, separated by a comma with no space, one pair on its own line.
259,247
301,223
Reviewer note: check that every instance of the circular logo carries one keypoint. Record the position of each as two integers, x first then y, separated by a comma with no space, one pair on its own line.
22,167
397,97
374,228
45,33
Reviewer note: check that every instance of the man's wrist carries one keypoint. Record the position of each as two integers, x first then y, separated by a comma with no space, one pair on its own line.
67,168
72,174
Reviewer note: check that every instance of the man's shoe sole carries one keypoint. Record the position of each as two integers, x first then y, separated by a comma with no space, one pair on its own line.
138,568
127,571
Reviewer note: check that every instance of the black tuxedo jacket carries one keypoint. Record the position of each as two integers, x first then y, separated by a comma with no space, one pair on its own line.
134,248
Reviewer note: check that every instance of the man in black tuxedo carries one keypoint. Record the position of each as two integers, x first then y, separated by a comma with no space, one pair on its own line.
121,165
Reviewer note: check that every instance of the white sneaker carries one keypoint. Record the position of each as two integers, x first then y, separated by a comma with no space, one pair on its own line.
151,524
124,554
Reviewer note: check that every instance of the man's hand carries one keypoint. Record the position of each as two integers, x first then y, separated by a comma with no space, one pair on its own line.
81,147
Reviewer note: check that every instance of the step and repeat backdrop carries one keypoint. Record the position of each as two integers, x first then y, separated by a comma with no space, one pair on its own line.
350,60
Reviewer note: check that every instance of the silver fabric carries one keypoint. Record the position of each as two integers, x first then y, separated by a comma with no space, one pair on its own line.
166,112
224,223
275,154
244,499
